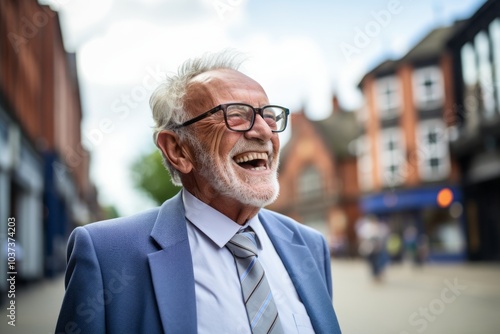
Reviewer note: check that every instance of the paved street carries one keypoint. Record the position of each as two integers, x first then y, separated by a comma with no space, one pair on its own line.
37,307
458,299
436,299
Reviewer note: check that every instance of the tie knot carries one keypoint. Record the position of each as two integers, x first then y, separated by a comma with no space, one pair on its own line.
243,244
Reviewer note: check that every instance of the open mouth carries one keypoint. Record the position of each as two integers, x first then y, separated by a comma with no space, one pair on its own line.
252,160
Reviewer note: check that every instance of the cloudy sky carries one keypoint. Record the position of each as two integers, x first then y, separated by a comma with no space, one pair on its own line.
300,51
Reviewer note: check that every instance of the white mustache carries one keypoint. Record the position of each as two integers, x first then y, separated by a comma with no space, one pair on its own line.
243,146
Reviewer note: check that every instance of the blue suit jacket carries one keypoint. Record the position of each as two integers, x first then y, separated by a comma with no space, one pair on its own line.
135,274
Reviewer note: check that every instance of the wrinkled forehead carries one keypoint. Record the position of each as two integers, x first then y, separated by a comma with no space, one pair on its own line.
212,88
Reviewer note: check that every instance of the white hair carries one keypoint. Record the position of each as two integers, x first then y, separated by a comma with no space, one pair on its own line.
167,101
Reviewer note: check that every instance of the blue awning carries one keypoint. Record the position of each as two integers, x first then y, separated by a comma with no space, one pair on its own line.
405,199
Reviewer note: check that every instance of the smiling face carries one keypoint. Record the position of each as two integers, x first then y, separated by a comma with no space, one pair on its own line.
230,167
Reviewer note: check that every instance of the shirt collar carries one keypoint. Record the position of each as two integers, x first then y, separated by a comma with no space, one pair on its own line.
215,225
256,226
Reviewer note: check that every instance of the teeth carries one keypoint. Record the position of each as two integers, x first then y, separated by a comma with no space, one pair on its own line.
259,168
251,156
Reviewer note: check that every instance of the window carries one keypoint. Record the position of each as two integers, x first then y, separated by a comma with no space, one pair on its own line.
388,99
470,79
310,183
392,158
428,87
482,45
495,41
365,165
5,153
443,229
434,161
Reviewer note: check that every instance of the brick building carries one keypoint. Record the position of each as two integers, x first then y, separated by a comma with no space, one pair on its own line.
408,177
318,177
44,170
476,51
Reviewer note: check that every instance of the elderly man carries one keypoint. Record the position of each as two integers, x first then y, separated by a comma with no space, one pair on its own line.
209,260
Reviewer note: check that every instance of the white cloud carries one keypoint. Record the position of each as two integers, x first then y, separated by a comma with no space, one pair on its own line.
118,41
113,64
293,71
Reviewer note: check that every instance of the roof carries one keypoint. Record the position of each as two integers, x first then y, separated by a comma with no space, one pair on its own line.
428,48
486,13
338,131
433,44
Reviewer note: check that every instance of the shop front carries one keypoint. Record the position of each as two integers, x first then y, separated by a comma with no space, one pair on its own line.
430,218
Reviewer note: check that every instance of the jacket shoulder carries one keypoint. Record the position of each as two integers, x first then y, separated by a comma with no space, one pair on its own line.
292,224
131,232
130,223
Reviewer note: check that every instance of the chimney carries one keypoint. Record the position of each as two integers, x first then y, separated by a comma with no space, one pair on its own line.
335,104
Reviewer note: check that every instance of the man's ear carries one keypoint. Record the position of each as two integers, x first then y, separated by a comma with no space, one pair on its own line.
176,152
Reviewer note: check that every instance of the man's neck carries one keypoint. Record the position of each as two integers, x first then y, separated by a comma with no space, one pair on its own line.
230,207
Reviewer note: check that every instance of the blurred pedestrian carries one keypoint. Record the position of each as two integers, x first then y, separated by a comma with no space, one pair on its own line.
410,235
372,235
422,250
416,246
394,247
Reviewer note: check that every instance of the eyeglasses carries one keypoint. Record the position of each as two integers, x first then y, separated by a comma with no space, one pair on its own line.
240,117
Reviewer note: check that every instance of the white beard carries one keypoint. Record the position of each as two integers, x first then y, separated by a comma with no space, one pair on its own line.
223,177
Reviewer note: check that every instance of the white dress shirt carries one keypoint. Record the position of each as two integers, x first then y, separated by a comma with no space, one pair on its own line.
219,302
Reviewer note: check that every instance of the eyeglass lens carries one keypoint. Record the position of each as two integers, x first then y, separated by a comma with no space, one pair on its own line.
240,117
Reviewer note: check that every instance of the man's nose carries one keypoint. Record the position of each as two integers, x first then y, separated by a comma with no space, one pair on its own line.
260,129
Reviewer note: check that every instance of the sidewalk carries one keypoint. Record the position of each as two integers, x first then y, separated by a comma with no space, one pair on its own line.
435,299
37,308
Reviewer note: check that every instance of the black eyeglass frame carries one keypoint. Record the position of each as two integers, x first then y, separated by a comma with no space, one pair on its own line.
223,107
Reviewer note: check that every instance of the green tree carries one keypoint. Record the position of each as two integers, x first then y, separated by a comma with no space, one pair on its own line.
151,177
110,211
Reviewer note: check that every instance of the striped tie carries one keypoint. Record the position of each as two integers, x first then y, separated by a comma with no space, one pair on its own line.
261,310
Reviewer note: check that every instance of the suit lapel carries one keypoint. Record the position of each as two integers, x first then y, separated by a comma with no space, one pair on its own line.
301,267
172,269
